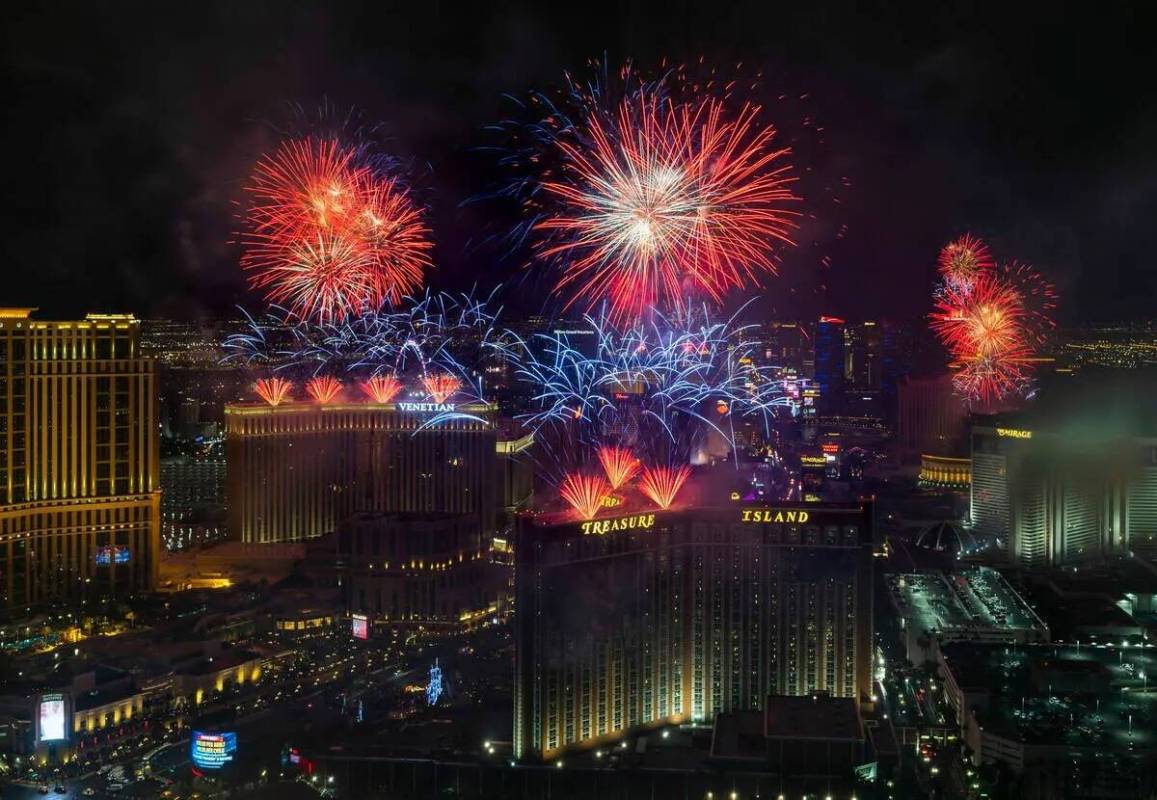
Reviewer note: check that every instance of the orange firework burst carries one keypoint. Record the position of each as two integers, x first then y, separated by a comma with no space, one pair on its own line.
585,493
327,237
660,197
619,464
324,388
382,388
662,484
962,261
274,391
441,386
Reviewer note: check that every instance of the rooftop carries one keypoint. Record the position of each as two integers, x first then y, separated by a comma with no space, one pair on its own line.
973,598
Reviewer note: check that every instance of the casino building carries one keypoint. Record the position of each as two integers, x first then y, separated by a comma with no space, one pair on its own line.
674,616
1056,499
79,494
298,469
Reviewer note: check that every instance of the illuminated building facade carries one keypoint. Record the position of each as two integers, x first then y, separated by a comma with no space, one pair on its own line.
418,569
930,418
664,617
79,494
945,472
1057,500
297,470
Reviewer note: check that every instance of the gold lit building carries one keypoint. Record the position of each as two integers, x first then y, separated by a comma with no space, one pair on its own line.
79,495
666,617
945,471
298,469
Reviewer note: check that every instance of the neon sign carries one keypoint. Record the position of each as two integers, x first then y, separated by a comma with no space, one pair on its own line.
773,515
427,408
1013,433
636,522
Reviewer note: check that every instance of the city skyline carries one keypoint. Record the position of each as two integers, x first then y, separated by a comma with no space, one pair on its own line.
576,402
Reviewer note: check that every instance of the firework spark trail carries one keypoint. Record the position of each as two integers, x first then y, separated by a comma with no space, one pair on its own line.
664,191
1038,300
662,484
652,387
273,391
584,493
420,335
324,388
619,464
327,236
382,388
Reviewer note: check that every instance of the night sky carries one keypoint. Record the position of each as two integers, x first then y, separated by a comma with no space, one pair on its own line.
130,128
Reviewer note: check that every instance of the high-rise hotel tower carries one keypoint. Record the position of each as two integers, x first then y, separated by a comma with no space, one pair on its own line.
661,617
79,495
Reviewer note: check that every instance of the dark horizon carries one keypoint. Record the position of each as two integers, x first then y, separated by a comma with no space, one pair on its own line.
130,135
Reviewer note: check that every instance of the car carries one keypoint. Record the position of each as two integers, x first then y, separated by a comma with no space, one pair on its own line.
42,788
59,789
89,792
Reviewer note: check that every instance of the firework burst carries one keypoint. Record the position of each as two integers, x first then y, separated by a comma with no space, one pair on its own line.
327,236
985,327
441,386
662,484
381,388
323,389
273,391
584,493
619,464
964,260
666,191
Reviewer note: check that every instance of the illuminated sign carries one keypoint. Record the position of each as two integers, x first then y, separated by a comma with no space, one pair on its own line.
51,718
830,447
113,554
610,501
360,626
1013,433
637,522
213,750
813,461
427,408
774,515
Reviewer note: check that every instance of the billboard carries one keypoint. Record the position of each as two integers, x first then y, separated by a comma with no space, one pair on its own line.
213,750
113,554
360,626
51,718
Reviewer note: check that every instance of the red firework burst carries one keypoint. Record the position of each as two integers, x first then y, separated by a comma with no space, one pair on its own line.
585,493
323,389
662,484
382,388
441,386
619,464
274,391
983,326
965,259
663,198
328,238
